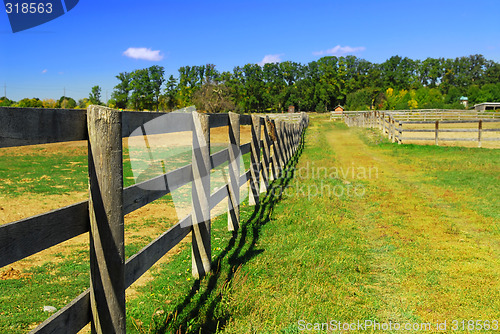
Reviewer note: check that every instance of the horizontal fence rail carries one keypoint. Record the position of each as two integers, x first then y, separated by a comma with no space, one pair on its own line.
430,125
102,215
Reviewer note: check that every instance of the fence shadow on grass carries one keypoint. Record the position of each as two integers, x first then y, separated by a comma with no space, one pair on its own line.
187,318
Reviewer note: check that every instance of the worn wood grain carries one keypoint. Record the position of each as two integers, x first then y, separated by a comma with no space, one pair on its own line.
233,214
255,160
154,123
141,194
107,245
31,235
201,243
30,126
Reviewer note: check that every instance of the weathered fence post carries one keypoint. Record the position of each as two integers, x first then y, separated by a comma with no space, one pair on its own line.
288,142
266,154
255,161
107,250
479,132
201,246
275,157
393,129
295,137
400,133
278,149
233,216
284,141
436,135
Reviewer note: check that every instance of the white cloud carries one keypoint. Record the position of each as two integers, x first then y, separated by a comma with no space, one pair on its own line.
340,50
44,71
271,59
143,53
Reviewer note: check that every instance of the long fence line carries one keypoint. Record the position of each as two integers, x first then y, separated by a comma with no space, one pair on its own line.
103,304
398,124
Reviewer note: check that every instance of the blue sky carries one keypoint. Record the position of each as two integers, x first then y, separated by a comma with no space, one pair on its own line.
96,40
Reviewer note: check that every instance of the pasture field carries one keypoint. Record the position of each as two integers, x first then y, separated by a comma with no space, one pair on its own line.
455,135
358,229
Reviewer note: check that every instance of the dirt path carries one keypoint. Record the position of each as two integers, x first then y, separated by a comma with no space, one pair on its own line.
412,226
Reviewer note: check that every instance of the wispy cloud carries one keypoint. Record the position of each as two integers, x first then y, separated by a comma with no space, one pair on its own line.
143,53
340,50
271,59
44,71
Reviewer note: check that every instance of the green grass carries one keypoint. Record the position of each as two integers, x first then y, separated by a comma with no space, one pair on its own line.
471,171
51,284
43,173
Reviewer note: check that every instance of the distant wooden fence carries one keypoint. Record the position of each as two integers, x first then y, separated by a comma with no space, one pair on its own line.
102,215
397,125
339,115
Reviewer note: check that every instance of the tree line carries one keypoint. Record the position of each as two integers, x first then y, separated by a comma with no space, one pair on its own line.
321,85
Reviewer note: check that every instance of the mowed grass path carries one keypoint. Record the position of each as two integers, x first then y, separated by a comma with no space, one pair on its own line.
370,230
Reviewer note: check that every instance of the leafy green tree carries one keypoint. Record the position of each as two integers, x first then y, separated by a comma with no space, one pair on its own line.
168,101
188,83
29,103
214,98
122,90
5,102
142,90
363,99
491,73
156,81
431,70
400,73
95,96
49,103
275,85
65,102
253,88
429,98
83,103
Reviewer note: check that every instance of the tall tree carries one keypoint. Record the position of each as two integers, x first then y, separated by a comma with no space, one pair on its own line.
156,81
122,90
66,103
171,91
142,91
95,95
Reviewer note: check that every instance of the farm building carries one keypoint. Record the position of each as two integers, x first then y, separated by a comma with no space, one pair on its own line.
464,100
339,109
487,106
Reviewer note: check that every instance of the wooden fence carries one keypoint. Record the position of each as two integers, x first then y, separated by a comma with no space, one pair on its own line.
397,125
103,304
